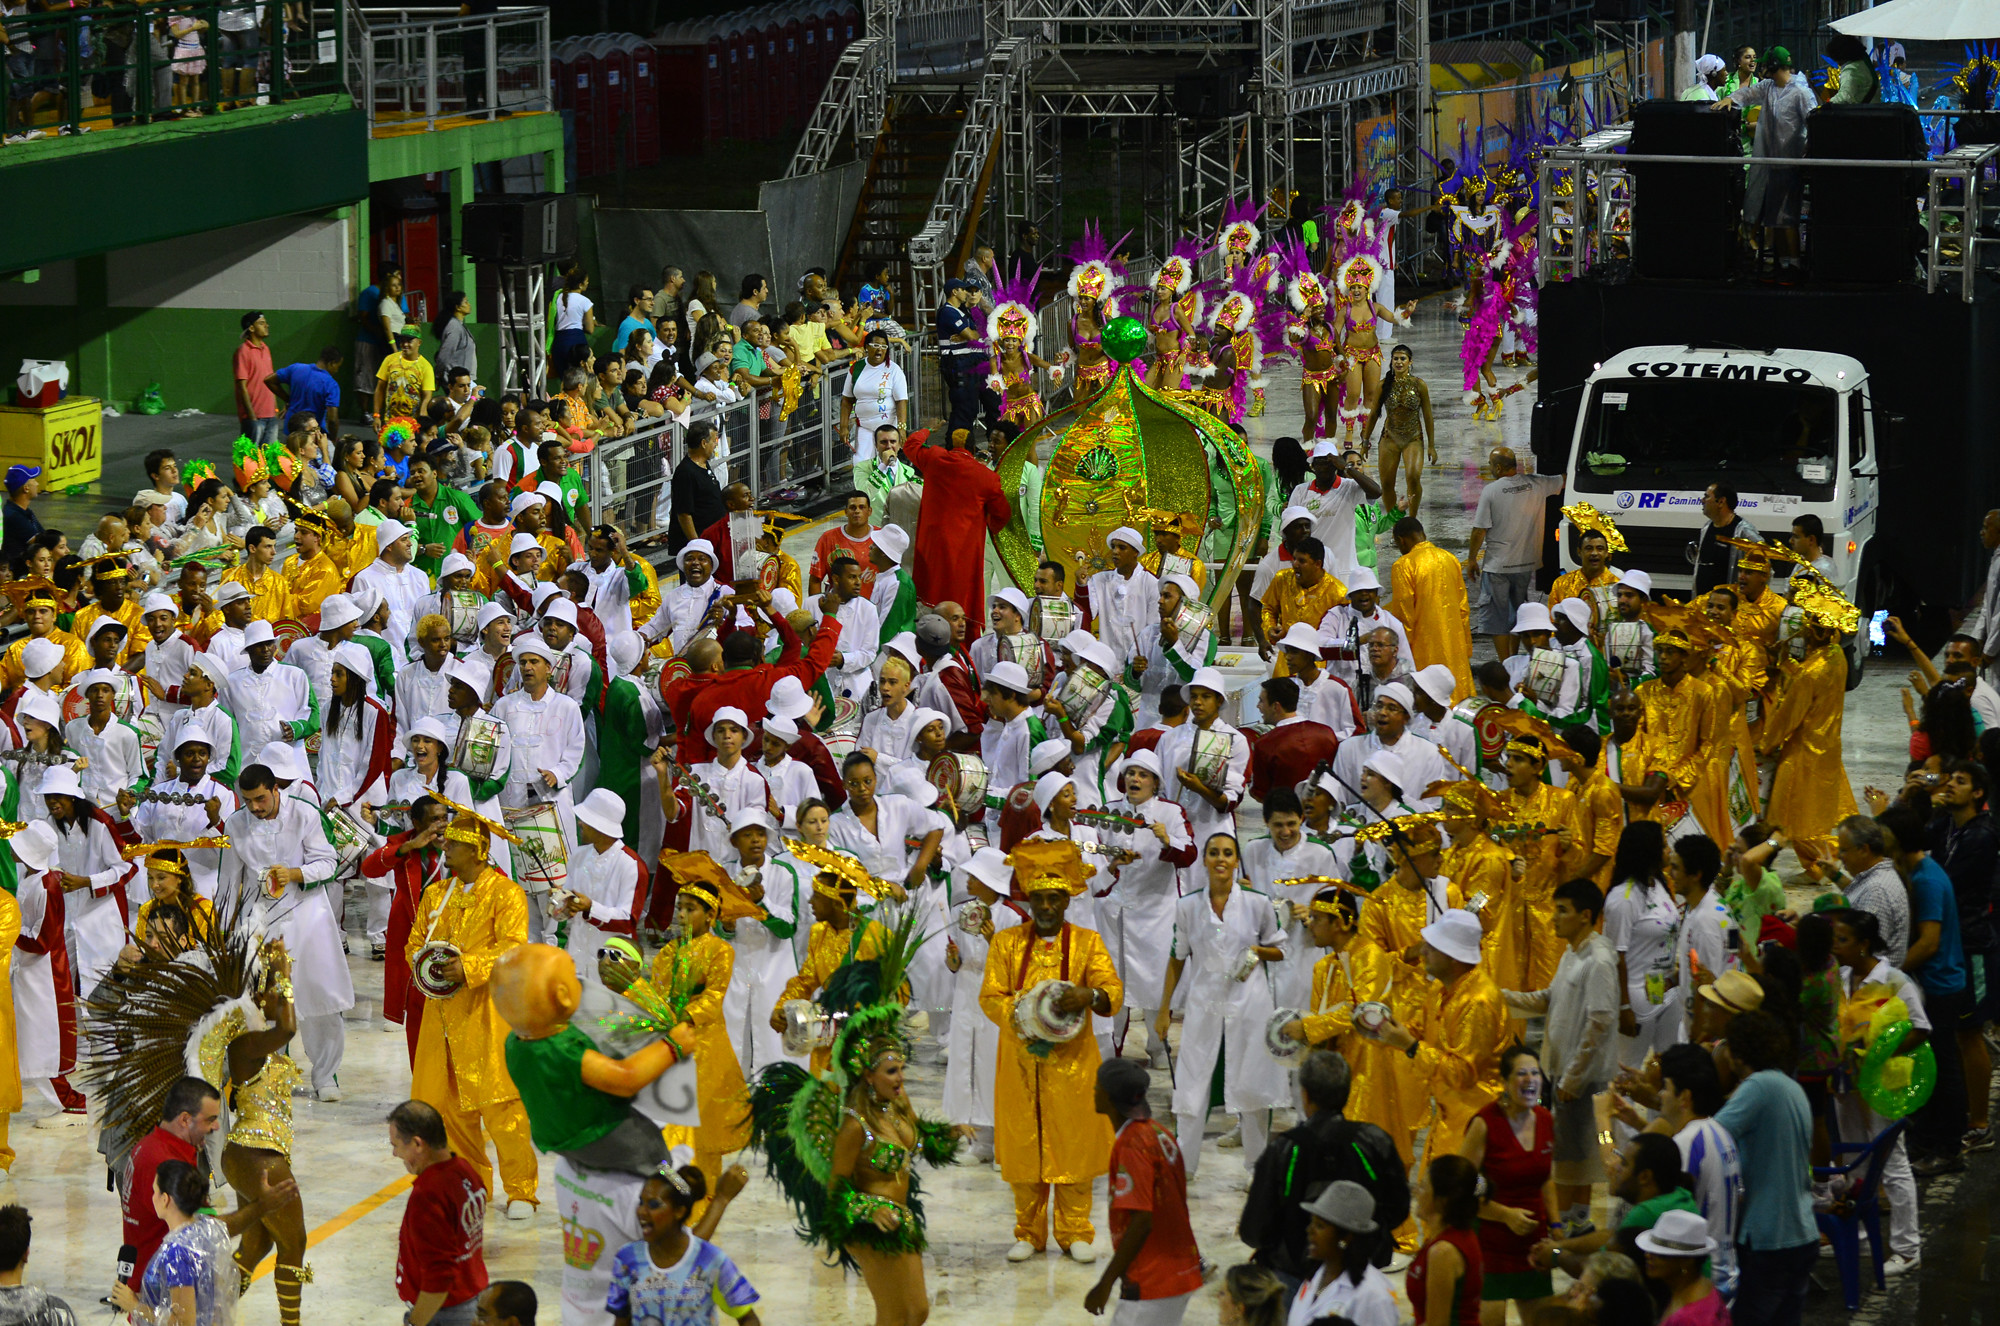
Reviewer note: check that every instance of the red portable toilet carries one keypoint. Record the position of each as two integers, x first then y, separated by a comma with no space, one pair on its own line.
615,63
791,65
589,101
739,78
643,63
679,55
770,37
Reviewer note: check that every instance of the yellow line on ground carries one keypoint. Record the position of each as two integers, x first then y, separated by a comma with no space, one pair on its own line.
341,1221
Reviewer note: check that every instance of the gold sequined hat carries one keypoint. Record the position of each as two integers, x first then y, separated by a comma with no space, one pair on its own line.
1048,863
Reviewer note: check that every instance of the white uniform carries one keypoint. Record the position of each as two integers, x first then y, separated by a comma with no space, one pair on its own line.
115,764
1136,918
165,821
226,648
544,734
740,787
95,920
611,880
1333,521
1223,1011
213,719
1176,752
1291,980
1120,607
1422,766
420,693
891,737
1329,700
1642,922
44,1050
1561,696
764,962
260,701
167,664
353,758
974,1044
1165,665
402,588
1343,629
1006,748
682,610
790,782
303,915
860,641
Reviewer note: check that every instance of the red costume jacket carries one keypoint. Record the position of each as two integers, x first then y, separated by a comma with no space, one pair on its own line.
400,1001
962,504
692,701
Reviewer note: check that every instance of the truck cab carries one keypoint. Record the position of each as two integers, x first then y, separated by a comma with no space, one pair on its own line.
1791,430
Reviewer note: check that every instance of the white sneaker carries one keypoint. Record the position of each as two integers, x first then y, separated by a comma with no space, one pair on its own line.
1231,1140
1898,1265
1021,1251
520,1210
1083,1254
63,1119
1156,1056
327,1095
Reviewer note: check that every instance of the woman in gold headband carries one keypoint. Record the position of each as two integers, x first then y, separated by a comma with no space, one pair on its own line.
309,573
832,941
175,916
692,974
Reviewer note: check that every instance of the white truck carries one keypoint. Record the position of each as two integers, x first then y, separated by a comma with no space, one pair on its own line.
1792,431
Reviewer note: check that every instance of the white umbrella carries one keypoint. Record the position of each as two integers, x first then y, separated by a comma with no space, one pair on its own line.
1925,20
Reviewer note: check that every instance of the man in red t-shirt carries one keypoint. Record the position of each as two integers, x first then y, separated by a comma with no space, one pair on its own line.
192,1111
256,407
1153,1248
855,539
441,1252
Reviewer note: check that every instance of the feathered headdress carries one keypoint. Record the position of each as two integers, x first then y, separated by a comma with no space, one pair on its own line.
1178,270
699,877
1359,277
194,472
1013,314
1239,234
1094,274
250,464
1303,290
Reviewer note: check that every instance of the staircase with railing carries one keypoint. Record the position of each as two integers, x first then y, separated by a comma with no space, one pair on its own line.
914,154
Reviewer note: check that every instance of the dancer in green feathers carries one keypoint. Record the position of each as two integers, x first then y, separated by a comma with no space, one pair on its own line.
844,1146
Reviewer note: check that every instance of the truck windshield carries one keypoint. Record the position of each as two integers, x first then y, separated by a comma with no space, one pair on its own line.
1675,434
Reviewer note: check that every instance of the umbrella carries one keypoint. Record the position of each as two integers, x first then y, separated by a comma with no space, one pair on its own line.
1925,20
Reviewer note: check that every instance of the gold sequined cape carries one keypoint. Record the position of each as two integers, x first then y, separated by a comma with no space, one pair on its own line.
1427,594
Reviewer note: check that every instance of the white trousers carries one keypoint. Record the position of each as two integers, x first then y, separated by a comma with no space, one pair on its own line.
324,1039
1858,1123
1256,1126
1151,1311
380,896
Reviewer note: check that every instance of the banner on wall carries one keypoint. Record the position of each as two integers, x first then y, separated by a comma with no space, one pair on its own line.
1375,151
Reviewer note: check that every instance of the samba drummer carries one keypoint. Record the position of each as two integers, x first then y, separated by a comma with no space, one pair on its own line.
188,806
455,600
878,828
1012,728
1546,678
464,923
1042,981
1288,868
1422,763
843,598
889,731
269,702
109,745
278,851
169,653
339,620
202,691
1119,602
724,785
422,683
765,961
1173,646
1209,759
1010,640
39,719
225,627
791,782
546,737
974,1041
1136,918
1091,711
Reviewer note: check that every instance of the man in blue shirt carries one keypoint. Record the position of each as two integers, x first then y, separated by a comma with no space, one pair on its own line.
1936,961
311,389
962,358
1777,1241
638,305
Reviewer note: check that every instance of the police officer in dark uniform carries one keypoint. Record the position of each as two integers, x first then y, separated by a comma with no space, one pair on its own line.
962,360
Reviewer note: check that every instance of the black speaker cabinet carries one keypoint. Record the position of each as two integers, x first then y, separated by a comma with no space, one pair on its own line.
1684,217
1862,223
521,230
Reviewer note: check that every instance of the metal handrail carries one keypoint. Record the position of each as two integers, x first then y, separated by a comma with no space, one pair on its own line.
1006,65
403,60
855,94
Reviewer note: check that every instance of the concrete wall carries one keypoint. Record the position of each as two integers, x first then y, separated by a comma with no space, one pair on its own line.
291,263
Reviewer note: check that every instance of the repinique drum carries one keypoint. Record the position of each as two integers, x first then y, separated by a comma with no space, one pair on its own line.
961,779
477,750
460,610
1545,675
1209,760
1025,649
349,836
1036,1018
127,700
1085,692
541,858
1051,618
1188,625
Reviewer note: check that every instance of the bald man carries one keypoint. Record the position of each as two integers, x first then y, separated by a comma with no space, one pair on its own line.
1506,550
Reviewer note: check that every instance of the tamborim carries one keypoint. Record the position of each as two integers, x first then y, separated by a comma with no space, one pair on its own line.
1051,618
973,916
1276,1041
427,970
1369,1018
1245,965
1036,1018
477,749
960,778
541,858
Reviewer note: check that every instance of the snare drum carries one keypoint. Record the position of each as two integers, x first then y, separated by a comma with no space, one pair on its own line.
460,610
127,700
1189,624
961,779
1209,760
1085,692
541,858
349,836
1546,668
1024,649
477,749
1052,618
1623,643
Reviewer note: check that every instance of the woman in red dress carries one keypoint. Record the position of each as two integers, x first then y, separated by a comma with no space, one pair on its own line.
1512,1142
1443,1281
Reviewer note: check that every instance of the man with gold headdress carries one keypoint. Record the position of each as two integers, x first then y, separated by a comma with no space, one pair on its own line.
111,586
460,1067
1811,794
310,573
1678,725
349,542
1760,606
1393,920
1174,531
1594,581
38,610
270,590
1047,1135
1522,951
